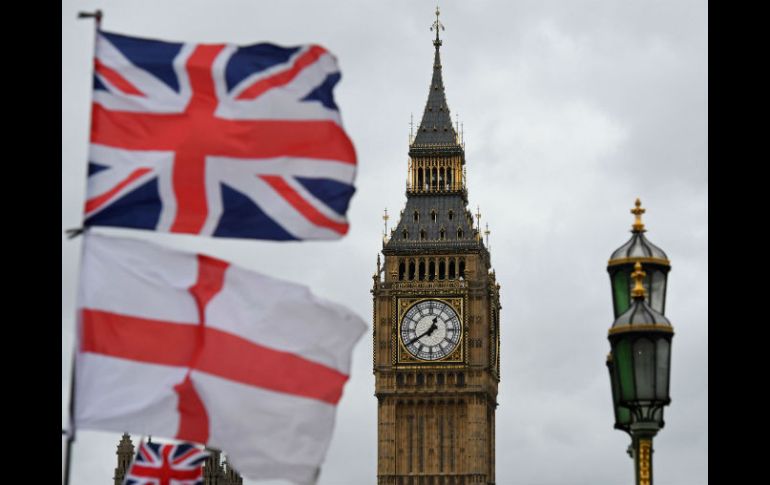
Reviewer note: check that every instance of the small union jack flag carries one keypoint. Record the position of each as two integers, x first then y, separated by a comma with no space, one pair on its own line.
167,464
218,139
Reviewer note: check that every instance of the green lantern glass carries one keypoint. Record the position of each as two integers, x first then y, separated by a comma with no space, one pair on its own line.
640,339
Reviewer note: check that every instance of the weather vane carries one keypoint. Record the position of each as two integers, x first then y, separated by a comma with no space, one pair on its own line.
437,25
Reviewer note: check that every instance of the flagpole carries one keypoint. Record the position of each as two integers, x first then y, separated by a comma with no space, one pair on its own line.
72,233
97,15
71,431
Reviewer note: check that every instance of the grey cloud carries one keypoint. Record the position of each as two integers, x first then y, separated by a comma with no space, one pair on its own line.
571,110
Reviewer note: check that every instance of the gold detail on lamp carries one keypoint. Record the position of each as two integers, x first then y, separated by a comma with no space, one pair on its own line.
660,261
638,211
653,327
645,467
638,276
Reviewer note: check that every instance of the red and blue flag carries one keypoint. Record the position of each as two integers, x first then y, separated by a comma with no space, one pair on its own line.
166,464
218,139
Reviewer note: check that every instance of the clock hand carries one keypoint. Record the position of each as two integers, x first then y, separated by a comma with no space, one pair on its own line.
430,330
433,326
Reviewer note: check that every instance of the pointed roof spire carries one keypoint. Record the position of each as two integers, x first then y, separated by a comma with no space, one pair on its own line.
436,126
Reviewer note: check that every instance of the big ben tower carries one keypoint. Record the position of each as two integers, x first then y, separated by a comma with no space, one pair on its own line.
436,320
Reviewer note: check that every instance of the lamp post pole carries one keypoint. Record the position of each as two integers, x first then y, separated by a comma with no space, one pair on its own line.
642,442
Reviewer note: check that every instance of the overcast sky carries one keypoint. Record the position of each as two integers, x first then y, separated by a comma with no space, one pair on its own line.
571,110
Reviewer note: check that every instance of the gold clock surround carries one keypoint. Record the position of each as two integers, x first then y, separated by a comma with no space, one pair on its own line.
403,357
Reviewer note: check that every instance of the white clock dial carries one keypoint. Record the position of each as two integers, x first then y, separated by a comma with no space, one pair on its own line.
431,330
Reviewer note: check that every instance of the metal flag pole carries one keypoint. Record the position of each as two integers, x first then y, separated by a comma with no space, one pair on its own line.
97,15
71,431
71,233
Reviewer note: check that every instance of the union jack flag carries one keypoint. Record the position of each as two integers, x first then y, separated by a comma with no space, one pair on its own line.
218,139
166,464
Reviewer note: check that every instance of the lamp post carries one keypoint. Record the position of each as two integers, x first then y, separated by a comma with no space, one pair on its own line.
639,362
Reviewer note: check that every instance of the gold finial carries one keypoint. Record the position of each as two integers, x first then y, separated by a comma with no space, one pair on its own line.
638,211
638,276
385,218
437,25
457,127
478,223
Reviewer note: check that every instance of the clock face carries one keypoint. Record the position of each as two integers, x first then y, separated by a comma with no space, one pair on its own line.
431,330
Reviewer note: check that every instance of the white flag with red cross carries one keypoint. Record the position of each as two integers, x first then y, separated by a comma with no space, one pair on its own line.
190,347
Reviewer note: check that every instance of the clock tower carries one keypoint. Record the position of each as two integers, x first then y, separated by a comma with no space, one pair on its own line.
436,319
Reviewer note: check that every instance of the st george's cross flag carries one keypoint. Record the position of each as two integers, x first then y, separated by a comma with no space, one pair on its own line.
190,347
218,140
166,464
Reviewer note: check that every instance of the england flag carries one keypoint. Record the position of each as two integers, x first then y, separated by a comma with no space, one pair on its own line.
190,347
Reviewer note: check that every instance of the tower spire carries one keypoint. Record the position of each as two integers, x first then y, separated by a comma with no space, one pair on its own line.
436,127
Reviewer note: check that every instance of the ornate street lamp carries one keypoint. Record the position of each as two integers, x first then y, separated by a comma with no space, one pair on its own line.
640,367
621,265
